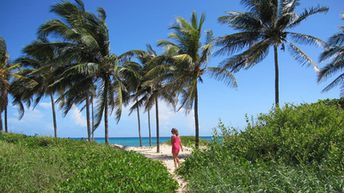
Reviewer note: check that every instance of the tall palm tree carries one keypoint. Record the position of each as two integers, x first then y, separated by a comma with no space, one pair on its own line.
190,62
8,72
335,53
137,85
268,23
153,85
77,93
40,73
87,53
134,81
4,80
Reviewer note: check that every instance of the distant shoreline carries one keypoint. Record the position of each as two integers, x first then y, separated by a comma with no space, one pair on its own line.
131,137
133,141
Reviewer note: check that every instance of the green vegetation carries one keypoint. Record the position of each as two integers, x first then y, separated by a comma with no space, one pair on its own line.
189,141
42,164
293,149
70,61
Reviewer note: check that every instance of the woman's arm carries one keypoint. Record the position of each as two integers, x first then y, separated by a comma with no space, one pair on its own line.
172,140
181,146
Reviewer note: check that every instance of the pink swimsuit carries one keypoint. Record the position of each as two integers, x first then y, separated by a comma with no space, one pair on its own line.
175,144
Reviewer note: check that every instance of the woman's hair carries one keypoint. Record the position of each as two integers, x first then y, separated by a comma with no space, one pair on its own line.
174,131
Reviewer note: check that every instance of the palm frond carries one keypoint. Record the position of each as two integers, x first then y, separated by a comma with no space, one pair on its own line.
338,81
302,57
248,58
337,40
242,21
307,13
224,75
235,42
330,69
306,39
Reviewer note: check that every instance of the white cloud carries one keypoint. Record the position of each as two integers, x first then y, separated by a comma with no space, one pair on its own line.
77,117
34,121
169,118
45,105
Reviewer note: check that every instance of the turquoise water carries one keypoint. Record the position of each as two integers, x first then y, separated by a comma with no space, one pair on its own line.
134,141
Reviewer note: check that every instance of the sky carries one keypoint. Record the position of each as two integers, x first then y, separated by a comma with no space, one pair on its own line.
135,23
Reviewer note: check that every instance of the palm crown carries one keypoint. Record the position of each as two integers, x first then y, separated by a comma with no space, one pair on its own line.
8,72
335,53
267,23
86,58
189,60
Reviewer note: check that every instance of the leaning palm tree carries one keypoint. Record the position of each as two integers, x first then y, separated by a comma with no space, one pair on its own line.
335,53
38,67
268,23
190,62
87,53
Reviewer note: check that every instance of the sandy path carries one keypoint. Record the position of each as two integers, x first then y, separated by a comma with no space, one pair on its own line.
165,157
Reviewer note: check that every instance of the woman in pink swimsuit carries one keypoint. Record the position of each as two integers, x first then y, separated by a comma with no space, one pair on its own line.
176,146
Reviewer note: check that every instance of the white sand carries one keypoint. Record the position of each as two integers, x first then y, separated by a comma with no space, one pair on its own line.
165,156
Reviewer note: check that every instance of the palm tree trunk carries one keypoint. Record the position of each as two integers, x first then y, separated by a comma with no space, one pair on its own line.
92,118
1,120
54,114
157,125
139,125
88,118
5,117
276,77
149,129
196,118
106,124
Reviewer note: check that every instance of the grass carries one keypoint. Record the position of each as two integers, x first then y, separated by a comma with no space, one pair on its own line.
41,164
189,141
294,149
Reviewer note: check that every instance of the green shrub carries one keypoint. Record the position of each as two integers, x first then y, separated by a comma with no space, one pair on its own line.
293,149
189,141
42,164
294,134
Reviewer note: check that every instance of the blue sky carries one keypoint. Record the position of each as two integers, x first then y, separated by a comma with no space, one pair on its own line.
133,24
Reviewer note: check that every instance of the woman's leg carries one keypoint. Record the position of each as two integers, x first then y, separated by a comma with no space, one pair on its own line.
175,159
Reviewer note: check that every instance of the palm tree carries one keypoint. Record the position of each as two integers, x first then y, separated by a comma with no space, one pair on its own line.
335,53
268,23
7,73
153,87
190,62
40,73
87,53
138,87
4,81
134,81
77,93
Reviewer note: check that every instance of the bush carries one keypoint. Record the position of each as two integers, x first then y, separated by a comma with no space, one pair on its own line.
189,141
293,149
42,164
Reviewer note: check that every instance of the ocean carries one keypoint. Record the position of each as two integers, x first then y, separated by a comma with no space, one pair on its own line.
134,141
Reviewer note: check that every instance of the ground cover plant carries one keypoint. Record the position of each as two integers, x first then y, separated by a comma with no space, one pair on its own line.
189,141
42,164
292,149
